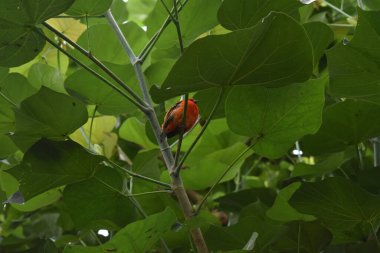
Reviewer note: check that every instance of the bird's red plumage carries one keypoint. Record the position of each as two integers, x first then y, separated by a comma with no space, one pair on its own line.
173,118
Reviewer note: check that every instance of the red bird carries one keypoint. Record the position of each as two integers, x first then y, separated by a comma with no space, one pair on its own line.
173,118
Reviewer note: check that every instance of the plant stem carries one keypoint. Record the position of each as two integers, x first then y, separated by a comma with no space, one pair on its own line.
145,52
337,9
376,151
360,157
91,125
8,99
176,182
97,62
224,174
138,105
217,103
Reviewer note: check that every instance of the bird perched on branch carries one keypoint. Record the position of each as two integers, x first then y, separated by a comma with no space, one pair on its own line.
173,118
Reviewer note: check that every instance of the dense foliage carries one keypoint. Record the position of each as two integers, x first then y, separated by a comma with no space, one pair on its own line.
291,92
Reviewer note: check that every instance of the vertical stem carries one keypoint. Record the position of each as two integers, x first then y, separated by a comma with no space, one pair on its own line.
360,157
176,181
376,151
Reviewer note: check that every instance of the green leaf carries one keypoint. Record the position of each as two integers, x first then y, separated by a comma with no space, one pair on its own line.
241,14
19,39
354,66
305,237
110,49
206,171
137,237
65,162
7,146
372,4
321,36
110,208
325,165
337,202
238,235
134,131
282,211
13,89
16,87
206,101
89,7
196,18
266,48
344,124
270,115
91,90
31,11
49,114
44,75
140,9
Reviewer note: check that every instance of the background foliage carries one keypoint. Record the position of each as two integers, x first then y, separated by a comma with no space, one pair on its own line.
297,126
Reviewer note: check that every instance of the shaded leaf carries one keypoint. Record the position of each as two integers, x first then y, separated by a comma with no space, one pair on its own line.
282,211
48,114
214,61
241,14
89,7
137,237
110,208
272,117
337,202
66,162
45,75
357,118
354,66
134,131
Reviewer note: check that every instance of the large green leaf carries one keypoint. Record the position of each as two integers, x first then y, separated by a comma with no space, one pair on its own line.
137,237
110,49
304,237
49,114
252,220
241,14
321,36
89,7
282,211
31,11
19,39
50,164
276,118
45,75
354,66
344,124
206,171
337,202
93,91
7,146
16,87
110,208
13,89
197,17
134,131
244,57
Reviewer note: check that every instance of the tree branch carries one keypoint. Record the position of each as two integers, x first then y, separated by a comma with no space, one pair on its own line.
176,182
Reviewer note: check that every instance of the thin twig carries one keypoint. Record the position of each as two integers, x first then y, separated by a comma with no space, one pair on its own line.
337,9
224,174
8,99
91,125
149,46
186,99
97,62
138,105
217,103
131,173
167,9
